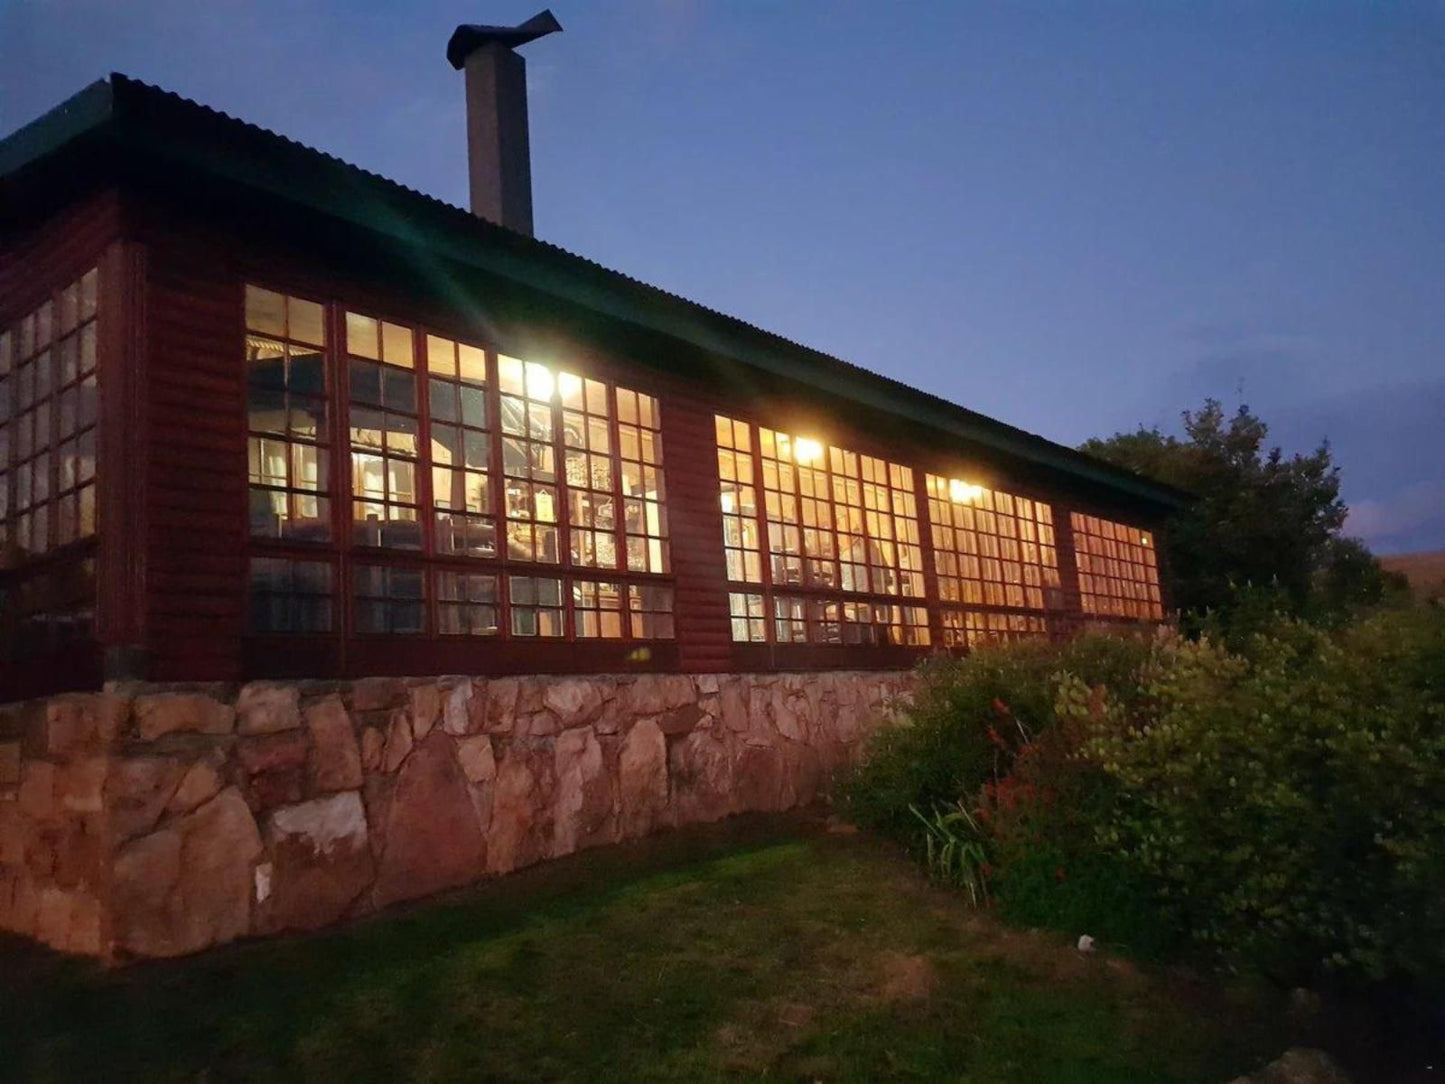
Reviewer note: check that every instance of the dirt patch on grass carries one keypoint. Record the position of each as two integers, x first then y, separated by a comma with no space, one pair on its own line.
906,978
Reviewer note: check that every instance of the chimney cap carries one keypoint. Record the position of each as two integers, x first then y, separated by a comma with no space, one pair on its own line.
469,37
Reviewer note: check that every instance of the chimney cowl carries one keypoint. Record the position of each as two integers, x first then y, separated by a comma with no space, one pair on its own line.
469,37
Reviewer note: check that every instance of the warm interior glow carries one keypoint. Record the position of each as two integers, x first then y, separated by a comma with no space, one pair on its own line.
729,504
806,450
571,387
962,492
540,383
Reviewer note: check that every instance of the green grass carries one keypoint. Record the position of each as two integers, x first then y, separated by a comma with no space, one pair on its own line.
764,947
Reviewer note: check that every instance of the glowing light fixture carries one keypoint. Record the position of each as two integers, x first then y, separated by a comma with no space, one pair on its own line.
728,503
1143,540
540,382
806,450
570,384
963,492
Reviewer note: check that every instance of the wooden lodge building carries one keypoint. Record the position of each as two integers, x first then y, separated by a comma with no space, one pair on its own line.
266,414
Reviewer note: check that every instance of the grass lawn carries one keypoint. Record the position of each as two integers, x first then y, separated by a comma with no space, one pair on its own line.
761,947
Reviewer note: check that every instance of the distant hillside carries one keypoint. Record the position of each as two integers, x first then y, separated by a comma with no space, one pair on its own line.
1425,571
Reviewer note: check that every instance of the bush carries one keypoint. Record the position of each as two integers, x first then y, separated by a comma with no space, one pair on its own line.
1280,802
968,718
1289,801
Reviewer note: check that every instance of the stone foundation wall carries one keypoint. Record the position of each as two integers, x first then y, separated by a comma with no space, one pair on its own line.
148,821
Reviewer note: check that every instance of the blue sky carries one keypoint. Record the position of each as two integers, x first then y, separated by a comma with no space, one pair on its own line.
1074,217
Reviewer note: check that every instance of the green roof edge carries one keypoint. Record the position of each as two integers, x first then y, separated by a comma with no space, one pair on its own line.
129,105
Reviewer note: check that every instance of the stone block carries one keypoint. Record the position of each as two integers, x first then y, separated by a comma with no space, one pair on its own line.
159,714
79,723
36,796
641,779
426,708
574,701
320,862
476,758
137,792
80,785
582,798
199,784
432,840
335,760
267,707
399,742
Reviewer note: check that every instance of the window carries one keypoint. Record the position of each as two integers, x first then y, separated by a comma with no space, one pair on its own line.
596,610
739,498
290,596
992,548
529,460
466,603
381,381
460,448
591,496
47,608
388,599
287,417
640,438
969,628
536,605
48,407
748,617
1118,572
650,608
836,522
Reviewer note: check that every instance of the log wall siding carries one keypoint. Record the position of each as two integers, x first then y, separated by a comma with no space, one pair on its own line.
173,473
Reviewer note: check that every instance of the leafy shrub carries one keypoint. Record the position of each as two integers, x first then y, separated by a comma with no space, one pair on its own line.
968,717
1289,801
1280,801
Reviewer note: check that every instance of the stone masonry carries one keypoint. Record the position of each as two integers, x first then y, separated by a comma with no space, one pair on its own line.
159,821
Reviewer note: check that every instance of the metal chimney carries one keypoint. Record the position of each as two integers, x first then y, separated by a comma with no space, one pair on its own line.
498,150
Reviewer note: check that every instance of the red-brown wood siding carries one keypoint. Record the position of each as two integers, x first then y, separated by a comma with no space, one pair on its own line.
195,463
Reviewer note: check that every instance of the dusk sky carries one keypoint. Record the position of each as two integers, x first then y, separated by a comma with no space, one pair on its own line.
1076,218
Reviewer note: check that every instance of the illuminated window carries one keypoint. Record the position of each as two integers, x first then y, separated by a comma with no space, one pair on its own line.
895,558
591,497
290,596
529,460
48,404
381,379
388,599
536,605
836,522
857,621
286,407
968,628
1118,572
992,548
466,603
739,498
643,493
650,608
749,618
790,622
596,610
460,448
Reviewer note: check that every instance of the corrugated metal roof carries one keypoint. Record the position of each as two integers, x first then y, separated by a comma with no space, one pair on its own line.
165,123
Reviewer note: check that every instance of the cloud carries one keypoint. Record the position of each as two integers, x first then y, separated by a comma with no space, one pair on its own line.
1408,520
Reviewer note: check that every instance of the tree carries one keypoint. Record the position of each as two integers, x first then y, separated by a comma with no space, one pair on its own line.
1262,521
